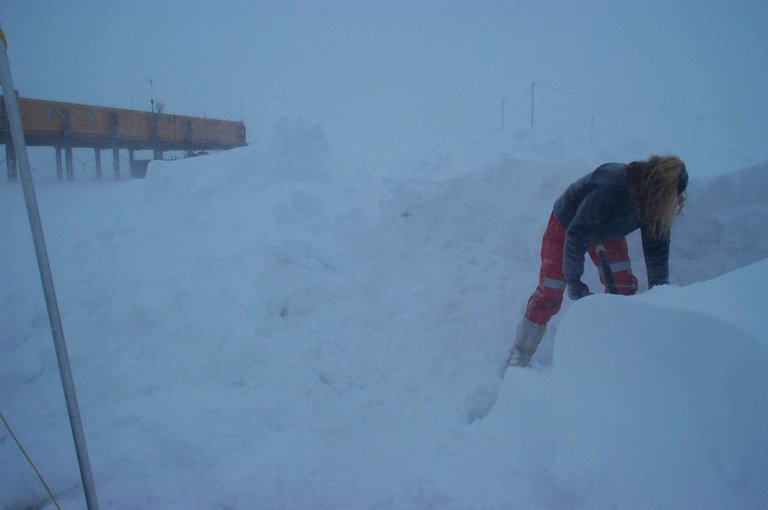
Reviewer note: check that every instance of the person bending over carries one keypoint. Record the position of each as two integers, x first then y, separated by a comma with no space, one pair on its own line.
594,214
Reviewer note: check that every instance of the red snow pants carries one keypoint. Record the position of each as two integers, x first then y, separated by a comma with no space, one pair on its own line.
545,302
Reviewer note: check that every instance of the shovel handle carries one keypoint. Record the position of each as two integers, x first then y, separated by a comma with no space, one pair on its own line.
610,282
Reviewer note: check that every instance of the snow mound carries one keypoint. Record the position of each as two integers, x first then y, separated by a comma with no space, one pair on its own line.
653,396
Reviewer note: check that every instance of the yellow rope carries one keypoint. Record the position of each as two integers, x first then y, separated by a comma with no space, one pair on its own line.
2,38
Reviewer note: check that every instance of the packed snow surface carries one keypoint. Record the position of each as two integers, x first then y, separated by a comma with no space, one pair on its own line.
275,327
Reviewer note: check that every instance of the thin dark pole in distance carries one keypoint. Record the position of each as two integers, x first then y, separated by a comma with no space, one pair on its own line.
503,111
17,134
532,92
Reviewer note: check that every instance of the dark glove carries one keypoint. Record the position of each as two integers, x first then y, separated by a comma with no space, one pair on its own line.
577,290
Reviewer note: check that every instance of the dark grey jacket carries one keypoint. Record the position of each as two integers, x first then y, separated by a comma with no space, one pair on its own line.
597,208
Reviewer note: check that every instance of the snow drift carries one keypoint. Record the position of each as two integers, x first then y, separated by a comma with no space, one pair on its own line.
280,329
666,391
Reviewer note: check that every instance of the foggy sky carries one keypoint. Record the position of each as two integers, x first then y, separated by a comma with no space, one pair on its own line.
404,74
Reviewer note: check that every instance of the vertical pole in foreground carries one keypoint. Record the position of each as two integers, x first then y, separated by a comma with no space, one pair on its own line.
17,133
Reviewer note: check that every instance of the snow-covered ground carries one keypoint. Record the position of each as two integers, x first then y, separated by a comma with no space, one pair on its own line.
277,327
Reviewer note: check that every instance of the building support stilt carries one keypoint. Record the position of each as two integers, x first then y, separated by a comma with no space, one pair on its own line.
69,161
10,161
97,154
59,164
116,162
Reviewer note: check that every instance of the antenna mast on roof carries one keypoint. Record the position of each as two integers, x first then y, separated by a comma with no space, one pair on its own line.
152,95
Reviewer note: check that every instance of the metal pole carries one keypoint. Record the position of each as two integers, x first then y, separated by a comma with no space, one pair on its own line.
10,161
531,104
17,133
503,111
97,154
59,164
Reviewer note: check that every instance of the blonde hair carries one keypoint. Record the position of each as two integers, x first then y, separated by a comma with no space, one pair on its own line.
653,186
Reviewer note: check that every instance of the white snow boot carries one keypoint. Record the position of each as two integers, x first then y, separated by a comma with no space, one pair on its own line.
527,340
